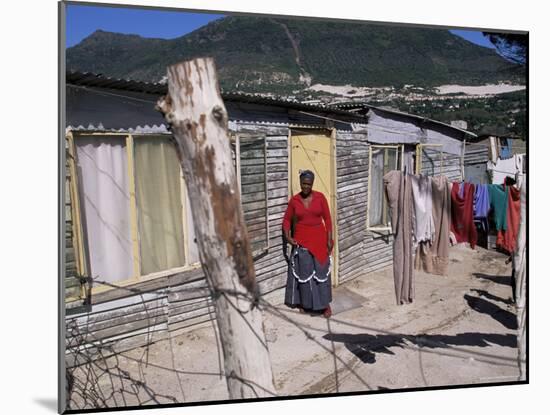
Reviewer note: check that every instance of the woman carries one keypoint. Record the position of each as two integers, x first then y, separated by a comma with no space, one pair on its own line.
308,284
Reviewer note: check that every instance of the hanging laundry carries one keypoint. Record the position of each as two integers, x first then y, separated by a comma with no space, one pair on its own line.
424,226
510,167
482,203
498,197
462,224
505,148
506,239
461,190
441,211
399,194
482,206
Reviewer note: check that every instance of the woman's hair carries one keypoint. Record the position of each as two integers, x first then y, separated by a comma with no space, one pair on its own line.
307,174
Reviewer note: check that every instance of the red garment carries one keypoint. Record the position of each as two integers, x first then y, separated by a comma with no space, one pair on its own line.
310,231
507,239
462,214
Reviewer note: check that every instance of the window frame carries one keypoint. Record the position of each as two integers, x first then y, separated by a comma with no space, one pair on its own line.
80,247
400,148
71,185
418,161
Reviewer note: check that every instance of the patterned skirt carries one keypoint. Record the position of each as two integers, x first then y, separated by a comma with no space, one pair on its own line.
308,283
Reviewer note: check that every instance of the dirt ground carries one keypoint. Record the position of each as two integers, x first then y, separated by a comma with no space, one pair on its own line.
460,330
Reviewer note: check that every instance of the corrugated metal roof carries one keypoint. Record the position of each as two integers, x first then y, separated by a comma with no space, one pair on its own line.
90,79
146,129
355,105
101,81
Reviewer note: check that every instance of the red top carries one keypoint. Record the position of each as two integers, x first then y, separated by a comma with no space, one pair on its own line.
310,232
462,214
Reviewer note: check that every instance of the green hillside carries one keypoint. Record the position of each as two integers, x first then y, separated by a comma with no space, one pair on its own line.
279,55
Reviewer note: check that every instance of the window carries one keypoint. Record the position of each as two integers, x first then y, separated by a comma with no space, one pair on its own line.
382,159
133,206
250,160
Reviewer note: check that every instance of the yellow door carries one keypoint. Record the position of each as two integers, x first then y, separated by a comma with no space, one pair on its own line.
315,151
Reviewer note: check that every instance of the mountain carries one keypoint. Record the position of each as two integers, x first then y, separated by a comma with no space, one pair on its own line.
279,55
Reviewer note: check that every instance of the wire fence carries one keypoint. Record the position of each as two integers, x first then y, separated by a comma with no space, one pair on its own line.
102,376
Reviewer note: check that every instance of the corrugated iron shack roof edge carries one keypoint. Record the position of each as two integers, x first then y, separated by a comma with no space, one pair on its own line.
425,120
90,79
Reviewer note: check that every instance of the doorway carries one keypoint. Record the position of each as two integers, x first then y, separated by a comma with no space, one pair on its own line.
315,150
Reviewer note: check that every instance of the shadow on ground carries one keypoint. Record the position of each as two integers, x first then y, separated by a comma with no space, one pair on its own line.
366,346
497,279
504,317
489,296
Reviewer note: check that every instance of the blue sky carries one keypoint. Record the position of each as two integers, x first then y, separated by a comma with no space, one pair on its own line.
83,20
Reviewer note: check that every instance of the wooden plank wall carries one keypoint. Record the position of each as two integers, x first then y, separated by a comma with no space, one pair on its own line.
123,319
360,251
431,163
476,154
116,326
271,266
352,165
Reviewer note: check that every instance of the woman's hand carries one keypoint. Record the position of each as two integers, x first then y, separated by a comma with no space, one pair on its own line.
292,241
329,246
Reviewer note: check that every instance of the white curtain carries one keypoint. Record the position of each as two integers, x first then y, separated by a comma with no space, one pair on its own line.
103,173
159,202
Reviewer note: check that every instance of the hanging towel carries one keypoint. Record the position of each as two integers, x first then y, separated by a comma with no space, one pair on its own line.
462,224
424,226
399,194
507,239
498,197
481,202
441,211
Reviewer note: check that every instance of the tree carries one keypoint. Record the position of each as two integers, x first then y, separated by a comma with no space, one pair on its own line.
198,120
511,46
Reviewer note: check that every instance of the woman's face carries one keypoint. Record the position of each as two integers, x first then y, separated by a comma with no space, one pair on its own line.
306,184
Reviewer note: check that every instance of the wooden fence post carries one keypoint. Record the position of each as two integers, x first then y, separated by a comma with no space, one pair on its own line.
198,119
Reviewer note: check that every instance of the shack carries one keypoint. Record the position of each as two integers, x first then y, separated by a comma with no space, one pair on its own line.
132,270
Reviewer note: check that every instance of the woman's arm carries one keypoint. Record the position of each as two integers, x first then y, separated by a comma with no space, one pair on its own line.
289,213
328,222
